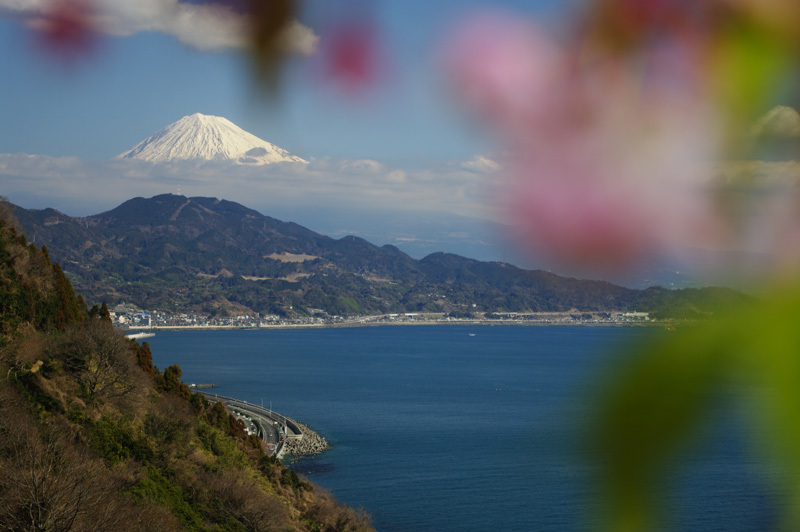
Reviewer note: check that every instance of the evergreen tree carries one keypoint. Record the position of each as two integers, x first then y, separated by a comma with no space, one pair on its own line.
104,313
68,306
144,358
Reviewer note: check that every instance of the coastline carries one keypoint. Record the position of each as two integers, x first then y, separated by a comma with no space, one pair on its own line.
348,325
281,435
310,444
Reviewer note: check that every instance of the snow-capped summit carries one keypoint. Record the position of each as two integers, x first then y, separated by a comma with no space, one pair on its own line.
207,137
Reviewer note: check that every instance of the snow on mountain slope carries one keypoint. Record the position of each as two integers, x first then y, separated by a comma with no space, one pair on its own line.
212,138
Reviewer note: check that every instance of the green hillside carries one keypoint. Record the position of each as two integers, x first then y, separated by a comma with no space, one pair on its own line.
93,437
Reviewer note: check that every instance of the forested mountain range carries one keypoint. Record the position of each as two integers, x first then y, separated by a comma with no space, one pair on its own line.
176,253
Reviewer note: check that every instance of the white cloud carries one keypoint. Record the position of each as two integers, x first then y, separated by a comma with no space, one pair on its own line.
779,122
440,207
207,27
64,183
396,176
760,174
299,38
482,164
354,166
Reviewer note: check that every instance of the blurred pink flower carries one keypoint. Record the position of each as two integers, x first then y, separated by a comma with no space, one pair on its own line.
349,54
603,155
504,68
611,195
578,223
66,28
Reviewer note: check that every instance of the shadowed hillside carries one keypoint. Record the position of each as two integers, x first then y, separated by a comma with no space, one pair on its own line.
214,256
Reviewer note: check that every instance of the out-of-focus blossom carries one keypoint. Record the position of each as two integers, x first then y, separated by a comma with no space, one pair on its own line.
66,28
613,139
267,29
505,69
781,17
602,157
349,54
614,133
621,25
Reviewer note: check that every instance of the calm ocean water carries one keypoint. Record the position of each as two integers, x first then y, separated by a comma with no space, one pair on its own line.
435,429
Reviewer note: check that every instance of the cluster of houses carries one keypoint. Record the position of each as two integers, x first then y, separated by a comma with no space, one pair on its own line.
129,316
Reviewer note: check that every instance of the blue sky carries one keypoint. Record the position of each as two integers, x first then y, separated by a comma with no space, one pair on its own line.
132,86
426,194
400,164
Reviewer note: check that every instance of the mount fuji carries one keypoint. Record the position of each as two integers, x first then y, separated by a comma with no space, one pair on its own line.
207,137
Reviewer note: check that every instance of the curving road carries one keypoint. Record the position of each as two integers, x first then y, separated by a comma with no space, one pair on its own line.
271,427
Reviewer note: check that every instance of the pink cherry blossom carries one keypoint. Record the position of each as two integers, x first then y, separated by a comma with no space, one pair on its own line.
604,156
349,54
504,68
66,28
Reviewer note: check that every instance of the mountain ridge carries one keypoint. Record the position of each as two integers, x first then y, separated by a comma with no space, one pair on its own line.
214,256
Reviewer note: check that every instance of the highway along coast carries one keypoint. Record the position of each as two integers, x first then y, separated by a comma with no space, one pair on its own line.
279,434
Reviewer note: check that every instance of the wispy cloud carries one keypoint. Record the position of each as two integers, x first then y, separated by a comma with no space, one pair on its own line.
780,122
206,27
65,182
481,164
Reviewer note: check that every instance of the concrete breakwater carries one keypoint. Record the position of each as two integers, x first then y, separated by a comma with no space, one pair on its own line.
281,435
310,443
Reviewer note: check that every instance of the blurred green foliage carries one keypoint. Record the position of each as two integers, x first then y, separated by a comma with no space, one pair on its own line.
657,404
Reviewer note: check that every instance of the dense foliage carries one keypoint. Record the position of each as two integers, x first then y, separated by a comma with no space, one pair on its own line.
93,437
32,289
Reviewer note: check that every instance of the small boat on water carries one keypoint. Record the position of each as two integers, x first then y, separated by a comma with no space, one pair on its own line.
472,334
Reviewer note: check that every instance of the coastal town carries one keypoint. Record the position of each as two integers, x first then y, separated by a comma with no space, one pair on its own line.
126,316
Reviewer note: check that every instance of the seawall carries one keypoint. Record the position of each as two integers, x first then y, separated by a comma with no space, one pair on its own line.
310,443
293,438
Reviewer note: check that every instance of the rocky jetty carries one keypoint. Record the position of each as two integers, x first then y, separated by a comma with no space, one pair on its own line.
310,443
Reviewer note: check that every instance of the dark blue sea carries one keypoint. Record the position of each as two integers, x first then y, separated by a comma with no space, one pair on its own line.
436,429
